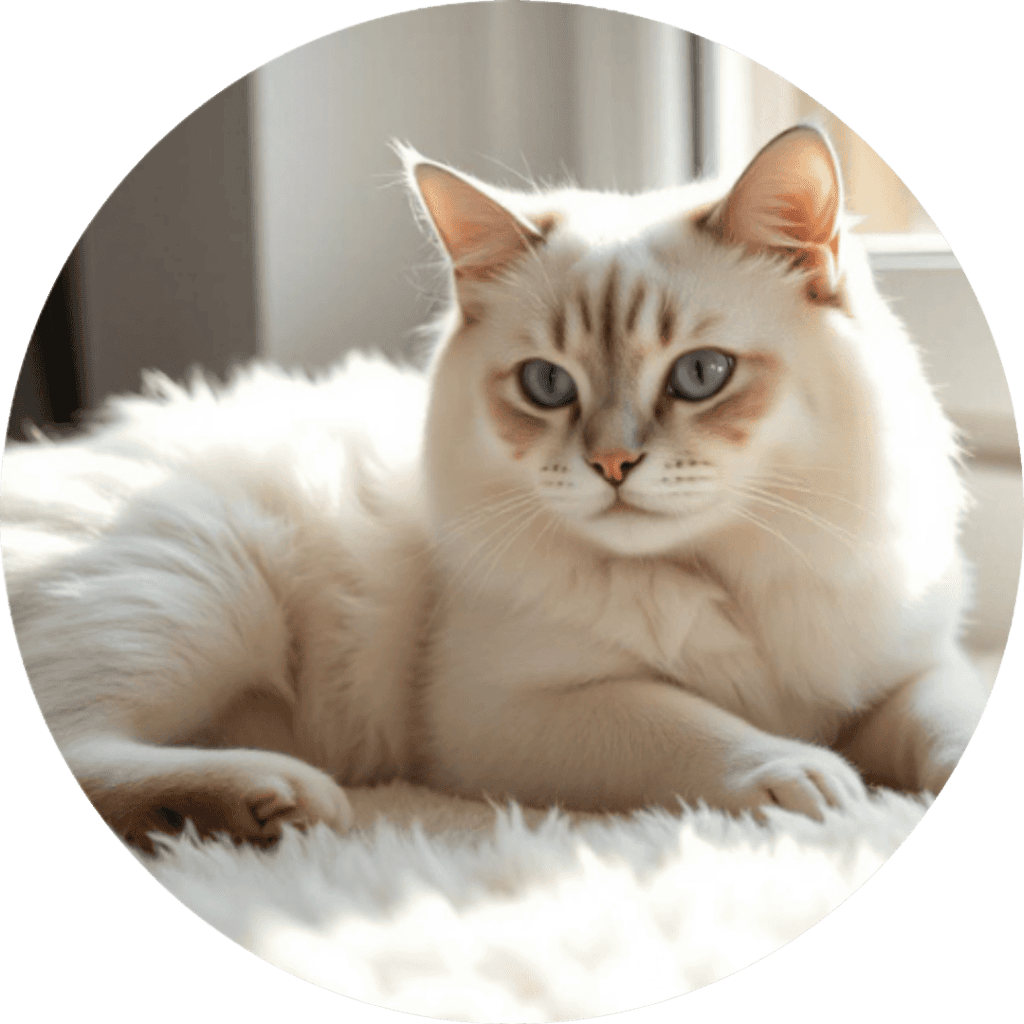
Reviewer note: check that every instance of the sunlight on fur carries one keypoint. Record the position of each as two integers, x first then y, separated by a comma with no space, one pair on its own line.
672,514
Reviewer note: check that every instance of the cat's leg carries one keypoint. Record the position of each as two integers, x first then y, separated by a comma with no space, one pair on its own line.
913,739
249,795
143,642
623,744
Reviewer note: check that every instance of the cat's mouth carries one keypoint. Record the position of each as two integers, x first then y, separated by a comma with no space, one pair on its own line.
621,507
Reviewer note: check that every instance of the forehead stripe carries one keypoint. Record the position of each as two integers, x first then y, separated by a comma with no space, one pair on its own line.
634,306
706,324
584,312
558,328
666,321
608,309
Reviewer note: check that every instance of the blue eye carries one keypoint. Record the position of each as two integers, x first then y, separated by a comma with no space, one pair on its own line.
699,374
546,384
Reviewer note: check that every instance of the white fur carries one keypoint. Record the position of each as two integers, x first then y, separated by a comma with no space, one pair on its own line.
527,915
414,601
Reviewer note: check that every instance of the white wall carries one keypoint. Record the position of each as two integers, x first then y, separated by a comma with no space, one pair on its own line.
498,89
939,308
544,90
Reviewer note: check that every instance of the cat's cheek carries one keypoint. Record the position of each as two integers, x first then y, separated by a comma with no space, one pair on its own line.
734,419
575,507
518,429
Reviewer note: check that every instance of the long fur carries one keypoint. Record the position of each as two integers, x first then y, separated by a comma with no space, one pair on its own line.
232,599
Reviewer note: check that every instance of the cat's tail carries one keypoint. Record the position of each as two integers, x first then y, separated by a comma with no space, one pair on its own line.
249,795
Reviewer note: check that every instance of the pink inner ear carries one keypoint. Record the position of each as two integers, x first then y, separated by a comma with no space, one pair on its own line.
480,235
788,198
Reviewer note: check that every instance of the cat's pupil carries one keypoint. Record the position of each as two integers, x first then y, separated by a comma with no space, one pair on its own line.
698,375
547,384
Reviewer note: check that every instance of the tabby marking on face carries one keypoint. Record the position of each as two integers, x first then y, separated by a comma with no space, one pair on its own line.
672,515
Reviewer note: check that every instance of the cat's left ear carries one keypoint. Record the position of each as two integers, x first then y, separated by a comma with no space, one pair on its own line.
789,200
481,236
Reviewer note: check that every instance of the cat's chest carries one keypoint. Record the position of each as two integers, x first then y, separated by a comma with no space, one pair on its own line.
766,664
651,622
682,625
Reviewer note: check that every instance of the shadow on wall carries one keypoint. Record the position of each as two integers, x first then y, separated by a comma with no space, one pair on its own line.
265,223
51,386
162,277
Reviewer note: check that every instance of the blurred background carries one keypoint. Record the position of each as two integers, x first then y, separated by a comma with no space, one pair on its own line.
268,223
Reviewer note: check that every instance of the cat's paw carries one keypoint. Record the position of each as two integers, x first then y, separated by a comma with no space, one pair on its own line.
940,755
296,797
937,766
250,801
797,777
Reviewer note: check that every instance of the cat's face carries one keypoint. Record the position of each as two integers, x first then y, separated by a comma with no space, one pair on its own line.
641,402
633,375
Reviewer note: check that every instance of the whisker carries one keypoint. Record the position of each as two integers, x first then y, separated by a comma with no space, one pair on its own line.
793,484
553,521
490,499
455,530
777,501
462,573
511,510
504,546
751,518
466,571
461,525
810,468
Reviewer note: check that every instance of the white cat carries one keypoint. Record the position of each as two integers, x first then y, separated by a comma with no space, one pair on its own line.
672,514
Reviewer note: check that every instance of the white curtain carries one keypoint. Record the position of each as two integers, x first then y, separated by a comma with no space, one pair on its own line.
502,90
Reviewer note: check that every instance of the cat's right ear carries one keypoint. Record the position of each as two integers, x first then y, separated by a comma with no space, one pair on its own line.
789,201
480,235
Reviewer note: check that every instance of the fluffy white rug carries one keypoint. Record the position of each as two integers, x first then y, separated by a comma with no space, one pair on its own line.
467,911
456,909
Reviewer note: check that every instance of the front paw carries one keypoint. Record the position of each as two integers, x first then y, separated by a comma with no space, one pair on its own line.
248,796
937,766
795,776
300,797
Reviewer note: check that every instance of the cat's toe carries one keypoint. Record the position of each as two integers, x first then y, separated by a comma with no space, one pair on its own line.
247,802
299,802
321,799
269,810
800,795
805,779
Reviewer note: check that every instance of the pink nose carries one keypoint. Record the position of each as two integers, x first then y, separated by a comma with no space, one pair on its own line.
615,463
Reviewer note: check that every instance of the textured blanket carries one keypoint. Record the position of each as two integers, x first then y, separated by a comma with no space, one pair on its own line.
464,910
459,910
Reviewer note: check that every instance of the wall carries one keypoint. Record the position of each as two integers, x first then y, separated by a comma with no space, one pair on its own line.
167,263
507,91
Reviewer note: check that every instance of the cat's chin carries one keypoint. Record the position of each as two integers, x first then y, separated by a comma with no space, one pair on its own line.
627,529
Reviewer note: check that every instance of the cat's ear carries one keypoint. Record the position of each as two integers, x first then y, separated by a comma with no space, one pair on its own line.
480,235
789,200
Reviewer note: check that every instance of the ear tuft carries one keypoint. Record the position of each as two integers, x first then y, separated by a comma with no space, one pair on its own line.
480,235
789,200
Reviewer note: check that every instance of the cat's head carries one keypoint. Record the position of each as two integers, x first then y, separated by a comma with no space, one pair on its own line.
642,369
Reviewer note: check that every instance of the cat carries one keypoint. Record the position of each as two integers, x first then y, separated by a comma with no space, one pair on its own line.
671,516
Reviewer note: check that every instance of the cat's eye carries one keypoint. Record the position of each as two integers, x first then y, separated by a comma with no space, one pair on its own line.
547,384
699,374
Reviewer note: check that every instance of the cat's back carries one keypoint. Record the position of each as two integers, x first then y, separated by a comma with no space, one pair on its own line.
301,448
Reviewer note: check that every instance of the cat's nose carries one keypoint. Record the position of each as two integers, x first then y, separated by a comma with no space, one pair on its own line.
615,463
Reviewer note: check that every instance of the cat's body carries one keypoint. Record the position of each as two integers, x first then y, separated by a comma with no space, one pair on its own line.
669,518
